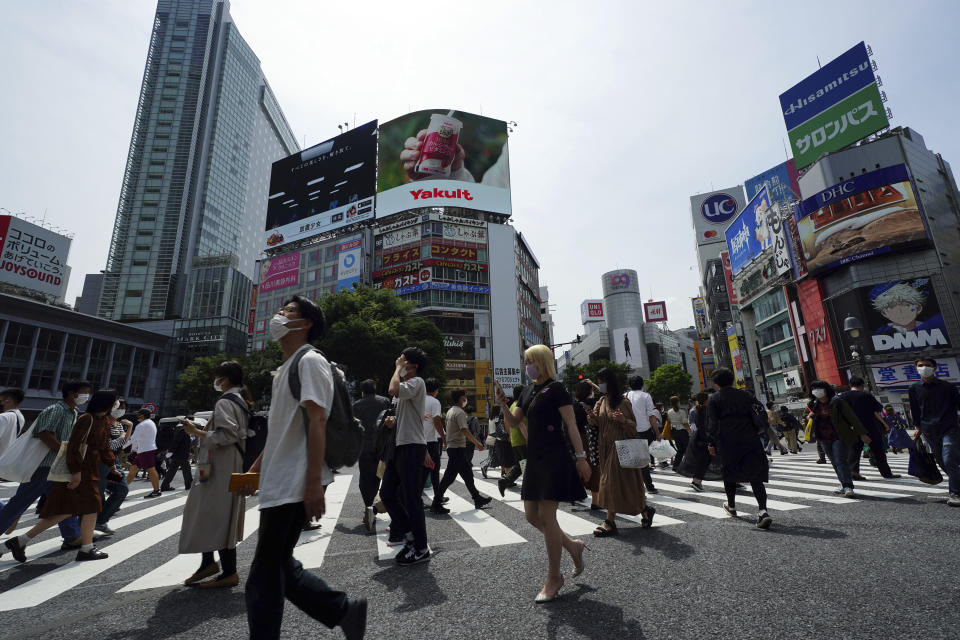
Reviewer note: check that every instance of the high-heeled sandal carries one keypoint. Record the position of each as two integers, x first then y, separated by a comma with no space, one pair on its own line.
543,598
646,519
577,570
609,530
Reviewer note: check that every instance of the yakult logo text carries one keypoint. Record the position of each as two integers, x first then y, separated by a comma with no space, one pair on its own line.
423,194
718,208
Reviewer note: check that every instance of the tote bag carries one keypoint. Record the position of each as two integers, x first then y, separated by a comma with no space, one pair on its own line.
633,453
19,462
59,471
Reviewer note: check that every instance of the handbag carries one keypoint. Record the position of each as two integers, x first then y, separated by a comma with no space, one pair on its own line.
59,471
633,453
808,432
22,458
662,450
922,464
667,433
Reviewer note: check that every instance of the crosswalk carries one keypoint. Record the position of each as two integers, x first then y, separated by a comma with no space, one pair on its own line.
797,484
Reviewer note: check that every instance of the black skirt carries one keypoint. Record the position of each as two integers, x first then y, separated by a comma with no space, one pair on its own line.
552,477
743,458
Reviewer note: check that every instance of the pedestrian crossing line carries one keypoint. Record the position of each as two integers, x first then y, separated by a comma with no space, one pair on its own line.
886,483
572,525
384,551
688,505
779,492
485,530
312,545
66,577
50,545
873,477
659,521
34,516
828,485
776,505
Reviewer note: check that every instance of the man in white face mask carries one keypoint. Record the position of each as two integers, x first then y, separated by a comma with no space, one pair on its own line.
934,404
52,426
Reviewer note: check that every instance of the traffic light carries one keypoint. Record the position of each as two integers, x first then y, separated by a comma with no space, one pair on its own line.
580,376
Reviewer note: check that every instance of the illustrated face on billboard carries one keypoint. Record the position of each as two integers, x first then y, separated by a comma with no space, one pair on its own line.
326,187
905,316
442,157
864,216
627,346
753,231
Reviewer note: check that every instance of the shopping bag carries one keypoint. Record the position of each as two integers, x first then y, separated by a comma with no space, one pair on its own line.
922,464
633,453
662,450
808,433
59,471
21,459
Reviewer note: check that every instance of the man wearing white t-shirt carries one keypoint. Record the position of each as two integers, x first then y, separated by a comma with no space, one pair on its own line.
433,431
11,420
648,421
292,476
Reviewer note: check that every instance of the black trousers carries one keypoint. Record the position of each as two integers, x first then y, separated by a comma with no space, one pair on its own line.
458,464
400,491
519,453
878,446
433,448
276,575
172,467
369,482
680,438
649,436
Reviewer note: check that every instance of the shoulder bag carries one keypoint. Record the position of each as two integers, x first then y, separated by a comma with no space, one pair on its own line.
22,458
59,471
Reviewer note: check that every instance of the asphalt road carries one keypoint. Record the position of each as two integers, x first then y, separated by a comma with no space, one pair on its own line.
882,566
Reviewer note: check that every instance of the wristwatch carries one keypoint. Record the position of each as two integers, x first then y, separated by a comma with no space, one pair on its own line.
582,455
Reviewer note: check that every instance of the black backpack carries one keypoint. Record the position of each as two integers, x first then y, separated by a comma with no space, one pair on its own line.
344,431
256,432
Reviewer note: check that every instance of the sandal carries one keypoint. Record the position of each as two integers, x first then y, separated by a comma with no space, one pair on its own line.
646,519
604,531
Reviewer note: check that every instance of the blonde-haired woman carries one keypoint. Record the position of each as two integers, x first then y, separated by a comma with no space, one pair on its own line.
551,475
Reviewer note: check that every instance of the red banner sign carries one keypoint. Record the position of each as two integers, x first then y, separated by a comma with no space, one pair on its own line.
397,257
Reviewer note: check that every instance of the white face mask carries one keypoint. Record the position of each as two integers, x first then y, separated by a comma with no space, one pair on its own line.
279,328
819,393
117,413
925,372
83,398
403,372
216,387
463,405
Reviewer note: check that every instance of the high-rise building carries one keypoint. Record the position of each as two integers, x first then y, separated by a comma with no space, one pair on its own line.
189,222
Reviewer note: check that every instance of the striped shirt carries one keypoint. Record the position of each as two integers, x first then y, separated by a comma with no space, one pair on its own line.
58,419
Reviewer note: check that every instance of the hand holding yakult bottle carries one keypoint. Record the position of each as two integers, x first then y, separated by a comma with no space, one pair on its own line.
435,151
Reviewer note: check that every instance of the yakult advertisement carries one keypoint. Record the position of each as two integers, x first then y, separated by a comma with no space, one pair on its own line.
33,257
443,157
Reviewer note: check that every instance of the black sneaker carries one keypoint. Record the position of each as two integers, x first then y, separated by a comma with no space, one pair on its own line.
407,547
696,486
396,541
354,622
730,510
482,501
821,461
653,490
764,520
104,529
16,549
93,554
412,556
152,494
439,509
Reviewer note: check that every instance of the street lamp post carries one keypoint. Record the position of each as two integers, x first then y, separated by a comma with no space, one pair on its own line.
852,327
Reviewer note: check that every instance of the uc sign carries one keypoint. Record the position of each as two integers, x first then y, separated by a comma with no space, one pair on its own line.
719,208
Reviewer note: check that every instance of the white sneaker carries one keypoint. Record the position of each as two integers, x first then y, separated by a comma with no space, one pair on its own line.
953,500
848,492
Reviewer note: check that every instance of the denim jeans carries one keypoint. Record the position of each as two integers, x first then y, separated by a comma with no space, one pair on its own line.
946,449
276,575
118,493
839,455
27,492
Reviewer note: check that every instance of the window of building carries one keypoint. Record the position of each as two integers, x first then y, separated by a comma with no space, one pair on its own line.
99,363
313,257
74,357
46,359
330,253
120,372
769,305
329,272
774,333
139,373
16,353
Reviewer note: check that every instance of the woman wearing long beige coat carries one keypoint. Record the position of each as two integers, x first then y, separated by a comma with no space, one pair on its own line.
213,517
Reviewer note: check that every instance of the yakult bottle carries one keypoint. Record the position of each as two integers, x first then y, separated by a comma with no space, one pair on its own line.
439,146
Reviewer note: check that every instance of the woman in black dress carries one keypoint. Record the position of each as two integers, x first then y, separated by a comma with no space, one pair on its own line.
551,474
733,432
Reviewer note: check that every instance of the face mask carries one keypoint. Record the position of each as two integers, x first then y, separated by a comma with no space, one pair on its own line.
819,393
83,398
603,387
925,372
533,371
279,328
403,372
216,387
463,404
117,413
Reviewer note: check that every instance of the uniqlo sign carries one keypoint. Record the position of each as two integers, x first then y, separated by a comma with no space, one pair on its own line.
591,311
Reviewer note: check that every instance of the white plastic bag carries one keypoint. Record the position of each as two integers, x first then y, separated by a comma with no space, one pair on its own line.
633,453
19,462
662,450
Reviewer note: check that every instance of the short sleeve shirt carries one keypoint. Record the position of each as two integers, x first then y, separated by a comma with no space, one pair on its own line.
455,424
431,410
283,471
58,419
541,405
411,405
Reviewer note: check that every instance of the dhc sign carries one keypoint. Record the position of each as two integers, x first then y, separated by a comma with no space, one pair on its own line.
719,208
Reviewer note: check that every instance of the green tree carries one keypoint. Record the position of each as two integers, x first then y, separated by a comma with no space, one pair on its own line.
670,380
195,385
571,375
368,328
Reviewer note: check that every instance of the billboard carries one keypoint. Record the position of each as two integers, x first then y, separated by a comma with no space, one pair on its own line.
325,187
442,157
591,311
624,280
864,216
627,346
814,326
728,278
713,211
782,183
835,81
736,357
890,375
655,311
700,317
280,272
33,257
349,263
750,234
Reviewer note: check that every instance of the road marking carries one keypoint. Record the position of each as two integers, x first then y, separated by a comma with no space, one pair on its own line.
313,544
62,579
779,492
687,505
384,551
665,484
46,547
659,520
893,483
485,530
572,525
829,485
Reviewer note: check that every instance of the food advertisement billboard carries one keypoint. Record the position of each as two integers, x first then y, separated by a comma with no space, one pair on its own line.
442,157
867,215
323,188
33,257
713,211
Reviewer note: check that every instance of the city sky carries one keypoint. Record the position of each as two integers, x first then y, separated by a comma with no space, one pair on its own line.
623,109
